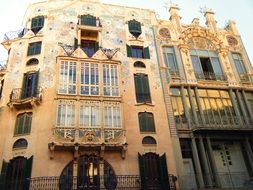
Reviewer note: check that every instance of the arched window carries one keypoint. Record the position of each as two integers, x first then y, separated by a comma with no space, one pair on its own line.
32,61
146,122
20,143
148,141
139,64
23,124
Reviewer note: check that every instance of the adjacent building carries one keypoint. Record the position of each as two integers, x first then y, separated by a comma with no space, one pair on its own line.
100,96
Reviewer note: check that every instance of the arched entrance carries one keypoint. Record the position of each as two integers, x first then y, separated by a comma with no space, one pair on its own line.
88,173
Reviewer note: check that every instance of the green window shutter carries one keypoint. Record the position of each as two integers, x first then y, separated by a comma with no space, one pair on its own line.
138,87
164,176
27,123
134,28
75,43
129,51
146,53
30,50
142,171
21,124
142,122
3,176
41,21
34,22
35,78
96,46
146,91
27,173
150,122
23,91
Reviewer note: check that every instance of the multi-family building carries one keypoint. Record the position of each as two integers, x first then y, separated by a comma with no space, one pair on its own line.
82,104
100,96
208,90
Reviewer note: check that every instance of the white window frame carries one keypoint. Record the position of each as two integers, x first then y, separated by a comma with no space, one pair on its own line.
65,109
114,118
110,80
89,108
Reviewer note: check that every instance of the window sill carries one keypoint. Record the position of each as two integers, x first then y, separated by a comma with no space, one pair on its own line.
144,103
19,135
147,133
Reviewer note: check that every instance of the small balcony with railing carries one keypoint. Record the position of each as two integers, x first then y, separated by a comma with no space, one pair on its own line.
95,138
210,76
21,98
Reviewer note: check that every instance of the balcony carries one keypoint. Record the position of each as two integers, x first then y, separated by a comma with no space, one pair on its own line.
89,22
83,138
119,183
210,76
21,99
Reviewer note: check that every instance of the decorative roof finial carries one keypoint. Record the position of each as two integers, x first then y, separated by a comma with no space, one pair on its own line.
169,4
205,9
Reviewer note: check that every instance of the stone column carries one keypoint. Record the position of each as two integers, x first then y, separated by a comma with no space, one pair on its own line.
185,106
249,152
192,106
239,100
197,164
235,106
205,164
199,105
212,162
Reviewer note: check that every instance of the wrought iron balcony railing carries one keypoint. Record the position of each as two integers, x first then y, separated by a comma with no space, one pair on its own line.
19,94
15,34
210,76
105,183
89,135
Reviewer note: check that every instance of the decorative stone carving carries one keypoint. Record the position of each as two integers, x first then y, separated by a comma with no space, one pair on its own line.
109,52
165,33
232,41
67,48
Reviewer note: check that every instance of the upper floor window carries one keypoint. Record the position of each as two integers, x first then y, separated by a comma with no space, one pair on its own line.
170,60
30,85
138,52
67,83
146,122
23,124
34,48
142,88
37,24
66,114
134,28
90,76
89,20
89,79
112,115
206,65
89,114
240,67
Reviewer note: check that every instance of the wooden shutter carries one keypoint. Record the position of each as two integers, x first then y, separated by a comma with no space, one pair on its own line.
37,47
35,84
3,176
41,21
34,22
27,173
146,91
146,53
96,46
142,122
27,123
129,51
150,122
138,87
23,91
142,171
164,177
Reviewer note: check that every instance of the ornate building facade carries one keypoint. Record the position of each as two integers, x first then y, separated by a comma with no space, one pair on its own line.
99,96
207,83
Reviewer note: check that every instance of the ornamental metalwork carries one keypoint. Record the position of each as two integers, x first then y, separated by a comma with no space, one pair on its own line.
232,41
67,48
110,52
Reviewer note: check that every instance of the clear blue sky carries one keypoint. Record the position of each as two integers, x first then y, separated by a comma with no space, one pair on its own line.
12,12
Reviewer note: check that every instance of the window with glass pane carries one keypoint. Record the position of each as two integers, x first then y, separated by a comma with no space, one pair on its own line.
112,116
134,28
170,60
88,20
89,79
110,80
37,24
206,65
142,88
34,48
137,52
67,81
178,108
146,122
89,114
23,124
240,67
249,96
66,114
